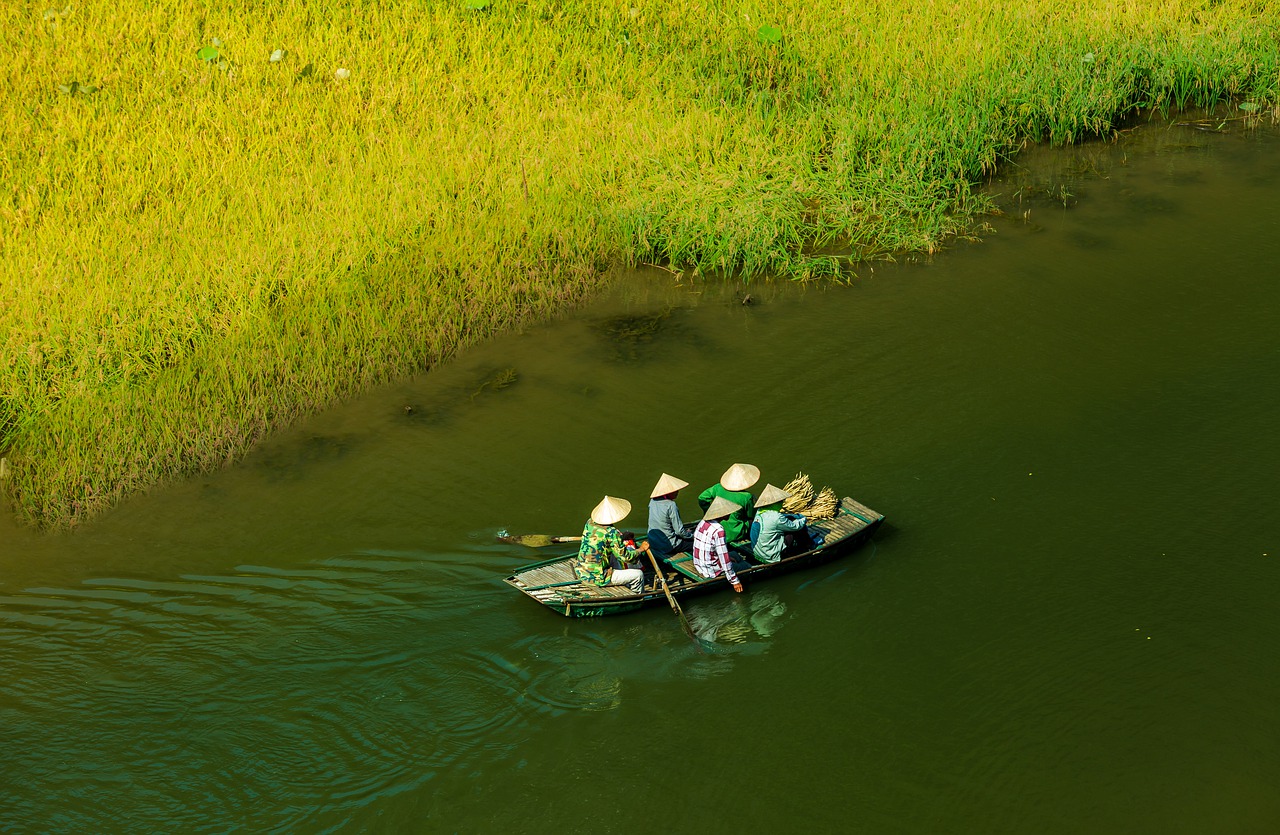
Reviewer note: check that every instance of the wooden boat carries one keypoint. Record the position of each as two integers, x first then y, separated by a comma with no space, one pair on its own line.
554,584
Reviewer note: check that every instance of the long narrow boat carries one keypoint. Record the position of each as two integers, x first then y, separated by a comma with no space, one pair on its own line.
553,582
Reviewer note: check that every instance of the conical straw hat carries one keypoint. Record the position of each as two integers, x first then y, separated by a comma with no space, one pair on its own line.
667,484
720,508
770,495
610,510
740,477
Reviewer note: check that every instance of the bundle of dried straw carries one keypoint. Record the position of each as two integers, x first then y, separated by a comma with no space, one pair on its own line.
802,500
801,494
823,507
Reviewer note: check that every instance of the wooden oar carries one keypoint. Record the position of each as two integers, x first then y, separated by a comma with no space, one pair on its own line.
538,540
675,607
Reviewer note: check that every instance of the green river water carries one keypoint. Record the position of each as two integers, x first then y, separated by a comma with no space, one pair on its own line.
1066,624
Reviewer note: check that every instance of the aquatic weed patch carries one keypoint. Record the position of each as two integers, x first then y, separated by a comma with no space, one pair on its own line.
216,221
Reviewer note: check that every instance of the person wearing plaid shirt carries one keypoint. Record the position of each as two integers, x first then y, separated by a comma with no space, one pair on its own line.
710,550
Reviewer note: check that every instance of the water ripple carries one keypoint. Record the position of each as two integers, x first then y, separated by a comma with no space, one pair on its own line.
319,687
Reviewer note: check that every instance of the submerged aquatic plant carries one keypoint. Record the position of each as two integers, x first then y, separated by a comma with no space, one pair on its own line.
497,381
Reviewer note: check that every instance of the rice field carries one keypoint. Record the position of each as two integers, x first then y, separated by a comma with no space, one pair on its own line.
214,222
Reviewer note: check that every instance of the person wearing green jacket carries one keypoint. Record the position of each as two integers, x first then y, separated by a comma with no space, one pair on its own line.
733,487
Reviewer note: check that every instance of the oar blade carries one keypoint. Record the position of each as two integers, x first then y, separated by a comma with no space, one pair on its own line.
538,540
533,540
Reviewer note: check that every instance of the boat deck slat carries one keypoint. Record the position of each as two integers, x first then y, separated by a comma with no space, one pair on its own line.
684,565
867,514
611,591
579,592
840,526
557,572
849,522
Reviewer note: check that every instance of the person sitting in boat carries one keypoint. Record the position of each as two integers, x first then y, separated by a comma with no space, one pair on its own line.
602,543
710,550
733,487
774,533
666,530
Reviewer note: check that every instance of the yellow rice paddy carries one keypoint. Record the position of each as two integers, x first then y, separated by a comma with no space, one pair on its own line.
214,222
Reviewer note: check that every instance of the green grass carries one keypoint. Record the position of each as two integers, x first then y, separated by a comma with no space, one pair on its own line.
197,252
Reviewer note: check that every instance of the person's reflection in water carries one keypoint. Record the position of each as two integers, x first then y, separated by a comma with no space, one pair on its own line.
736,619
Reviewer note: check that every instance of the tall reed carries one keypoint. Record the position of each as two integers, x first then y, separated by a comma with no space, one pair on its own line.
215,221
